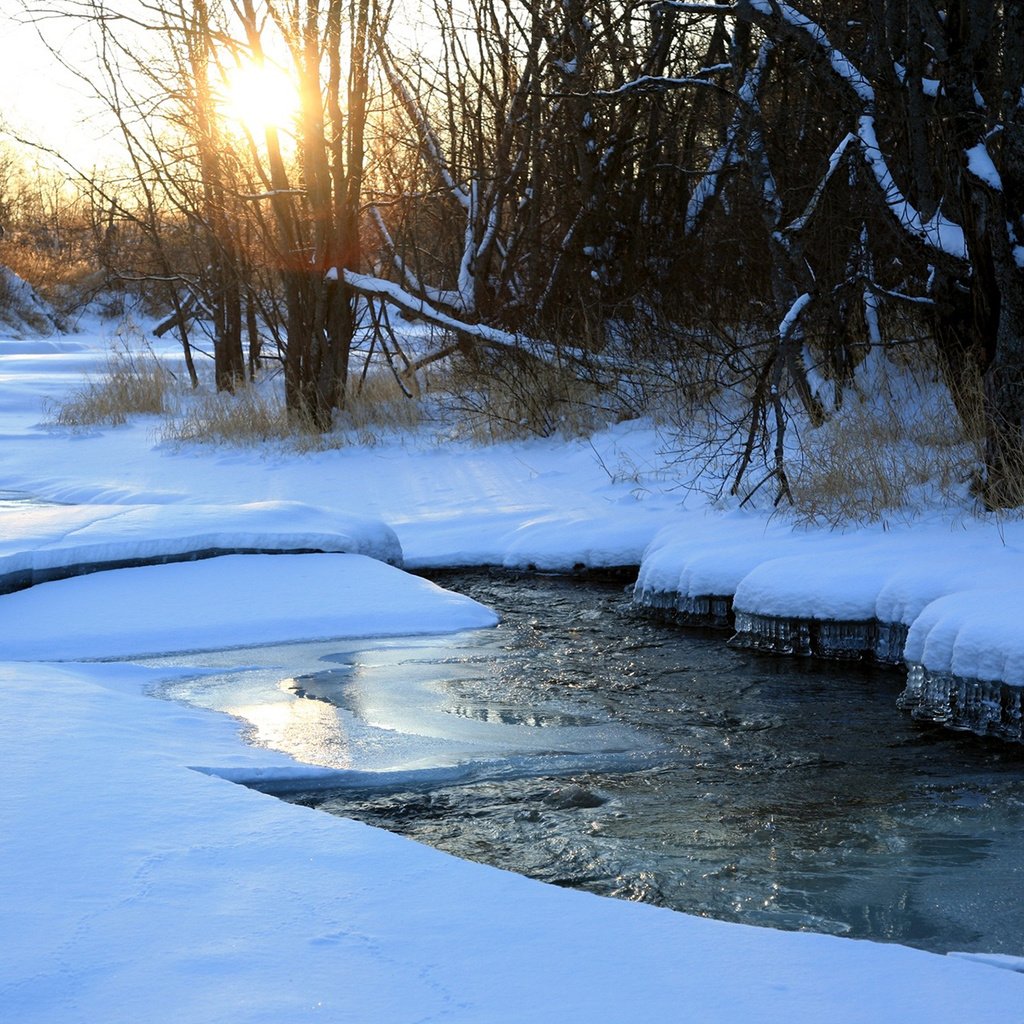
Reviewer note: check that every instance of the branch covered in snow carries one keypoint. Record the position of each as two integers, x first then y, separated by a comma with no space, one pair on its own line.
494,337
938,232
837,155
652,84
793,315
727,154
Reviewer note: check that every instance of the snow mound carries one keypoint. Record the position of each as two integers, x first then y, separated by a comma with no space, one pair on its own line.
710,553
45,542
973,634
23,314
232,601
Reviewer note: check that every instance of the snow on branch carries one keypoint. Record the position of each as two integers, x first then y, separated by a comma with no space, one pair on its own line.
790,319
440,296
800,222
981,165
366,284
727,155
680,6
255,197
646,84
428,139
840,63
938,233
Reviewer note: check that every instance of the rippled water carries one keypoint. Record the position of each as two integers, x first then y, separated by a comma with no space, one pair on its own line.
603,751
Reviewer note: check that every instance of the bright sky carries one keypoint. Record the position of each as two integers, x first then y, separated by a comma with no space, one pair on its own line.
41,101
44,103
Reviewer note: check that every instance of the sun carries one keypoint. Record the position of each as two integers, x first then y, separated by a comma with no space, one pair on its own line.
259,96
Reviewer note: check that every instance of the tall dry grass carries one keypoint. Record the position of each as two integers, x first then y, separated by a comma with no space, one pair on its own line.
256,414
896,446
134,382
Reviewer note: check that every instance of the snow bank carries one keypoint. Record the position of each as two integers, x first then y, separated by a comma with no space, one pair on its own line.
229,601
973,634
41,542
959,590
612,538
23,314
707,553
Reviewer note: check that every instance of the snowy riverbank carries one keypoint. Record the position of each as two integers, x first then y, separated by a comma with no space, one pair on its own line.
945,598
136,886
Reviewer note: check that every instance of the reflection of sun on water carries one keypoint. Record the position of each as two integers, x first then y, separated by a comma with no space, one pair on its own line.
308,730
257,97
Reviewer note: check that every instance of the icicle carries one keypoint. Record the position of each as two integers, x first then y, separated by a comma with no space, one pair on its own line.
986,708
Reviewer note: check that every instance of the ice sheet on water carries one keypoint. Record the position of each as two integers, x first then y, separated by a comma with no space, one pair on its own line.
308,779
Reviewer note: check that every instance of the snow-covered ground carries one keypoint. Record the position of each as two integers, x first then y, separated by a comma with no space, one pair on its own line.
137,882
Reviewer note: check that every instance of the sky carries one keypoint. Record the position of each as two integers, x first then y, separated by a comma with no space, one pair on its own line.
41,101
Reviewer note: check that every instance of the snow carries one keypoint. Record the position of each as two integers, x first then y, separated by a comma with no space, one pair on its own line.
791,317
36,542
980,164
22,313
973,633
938,232
138,881
230,601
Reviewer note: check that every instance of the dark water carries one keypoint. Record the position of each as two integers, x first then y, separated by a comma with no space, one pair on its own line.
653,764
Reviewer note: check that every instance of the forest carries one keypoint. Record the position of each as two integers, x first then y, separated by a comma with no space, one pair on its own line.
714,212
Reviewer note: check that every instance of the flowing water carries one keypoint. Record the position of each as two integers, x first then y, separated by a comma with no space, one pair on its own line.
584,745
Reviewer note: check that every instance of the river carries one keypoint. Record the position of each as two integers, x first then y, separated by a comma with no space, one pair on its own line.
586,745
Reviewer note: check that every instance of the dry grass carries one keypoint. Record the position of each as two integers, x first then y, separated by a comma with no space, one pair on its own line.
250,416
135,382
377,402
900,447
255,415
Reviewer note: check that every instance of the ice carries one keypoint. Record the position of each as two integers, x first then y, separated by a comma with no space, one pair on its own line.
972,705
866,640
772,633
712,610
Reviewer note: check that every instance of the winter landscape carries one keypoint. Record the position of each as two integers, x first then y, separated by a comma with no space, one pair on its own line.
136,880
711,315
